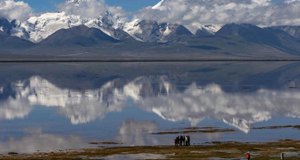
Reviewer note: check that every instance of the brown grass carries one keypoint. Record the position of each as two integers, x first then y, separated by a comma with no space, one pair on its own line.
217,149
278,127
97,143
194,130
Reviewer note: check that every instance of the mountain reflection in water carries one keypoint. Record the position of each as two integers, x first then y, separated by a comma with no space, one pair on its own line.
156,94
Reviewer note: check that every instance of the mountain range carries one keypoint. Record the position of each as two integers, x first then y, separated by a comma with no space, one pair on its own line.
108,36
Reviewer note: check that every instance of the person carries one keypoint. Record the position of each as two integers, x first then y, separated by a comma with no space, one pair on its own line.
189,141
248,155
175,141
186,140
181,140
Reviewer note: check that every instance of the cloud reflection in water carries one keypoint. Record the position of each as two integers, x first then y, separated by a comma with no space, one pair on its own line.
133,132
38,141
153,94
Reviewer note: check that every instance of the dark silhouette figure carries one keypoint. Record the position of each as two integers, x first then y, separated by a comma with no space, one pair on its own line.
176,141
181,140
189,140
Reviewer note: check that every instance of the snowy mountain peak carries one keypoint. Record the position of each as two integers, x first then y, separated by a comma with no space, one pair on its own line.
152,31
159,5
40,27
212,28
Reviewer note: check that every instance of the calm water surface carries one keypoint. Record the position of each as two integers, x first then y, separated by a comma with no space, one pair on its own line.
52,106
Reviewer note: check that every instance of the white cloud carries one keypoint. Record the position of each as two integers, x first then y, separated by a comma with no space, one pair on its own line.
195,13
14,108
11,10
85,8
92,9
191,13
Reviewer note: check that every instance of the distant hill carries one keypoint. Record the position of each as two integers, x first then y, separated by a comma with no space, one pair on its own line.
265,36
292,30
11,42
80,35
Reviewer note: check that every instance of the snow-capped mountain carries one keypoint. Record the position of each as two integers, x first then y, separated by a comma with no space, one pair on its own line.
208,29
151,31
194,27
40,27
8,41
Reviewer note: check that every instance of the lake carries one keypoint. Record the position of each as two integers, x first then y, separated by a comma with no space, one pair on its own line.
47,107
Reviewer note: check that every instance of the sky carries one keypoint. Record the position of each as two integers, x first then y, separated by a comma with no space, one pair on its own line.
190,13
128,5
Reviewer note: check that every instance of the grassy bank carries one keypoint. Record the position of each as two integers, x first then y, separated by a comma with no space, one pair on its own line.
226,150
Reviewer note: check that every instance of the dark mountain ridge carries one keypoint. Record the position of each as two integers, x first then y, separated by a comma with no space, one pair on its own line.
292,30
266,36
11,42
80,35
203,33
5,25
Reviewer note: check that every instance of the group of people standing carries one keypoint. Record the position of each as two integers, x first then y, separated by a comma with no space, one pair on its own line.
182,141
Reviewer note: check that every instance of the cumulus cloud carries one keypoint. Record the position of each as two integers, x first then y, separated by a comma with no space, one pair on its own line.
92,9
195,13
11,10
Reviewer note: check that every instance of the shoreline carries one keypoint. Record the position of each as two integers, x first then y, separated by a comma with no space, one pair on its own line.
208,150
139,60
